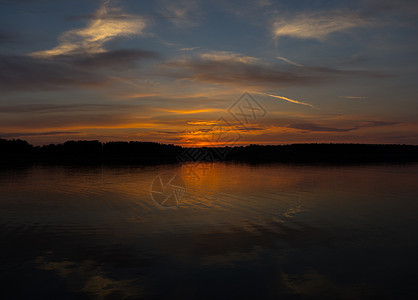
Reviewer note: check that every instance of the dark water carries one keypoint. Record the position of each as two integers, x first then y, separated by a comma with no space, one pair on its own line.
259,232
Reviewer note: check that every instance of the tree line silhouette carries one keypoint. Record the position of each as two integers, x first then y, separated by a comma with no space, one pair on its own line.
331,153
88,152
93,152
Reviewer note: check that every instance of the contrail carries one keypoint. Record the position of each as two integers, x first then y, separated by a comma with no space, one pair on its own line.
289,61
287,99
352,97
189,49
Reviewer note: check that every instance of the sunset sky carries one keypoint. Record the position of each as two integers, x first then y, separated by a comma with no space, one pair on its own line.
167,71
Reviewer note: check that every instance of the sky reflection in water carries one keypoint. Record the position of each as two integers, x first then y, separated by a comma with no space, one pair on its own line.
243,230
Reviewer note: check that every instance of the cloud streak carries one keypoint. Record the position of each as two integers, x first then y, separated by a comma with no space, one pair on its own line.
227,56
189,49
289,61
235,73
317,25
181,13
238,70
287,99
353,97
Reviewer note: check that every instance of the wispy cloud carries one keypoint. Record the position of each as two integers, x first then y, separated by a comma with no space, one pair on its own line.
352,97
289,61
316,25
227,56
235,73
107,24
203,123
287,99
263,3
181,13
189,49
233,69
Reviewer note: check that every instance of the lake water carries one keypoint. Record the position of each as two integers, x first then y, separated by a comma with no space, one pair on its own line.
250,231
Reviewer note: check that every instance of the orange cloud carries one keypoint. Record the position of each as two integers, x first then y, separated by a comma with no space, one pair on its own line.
190,111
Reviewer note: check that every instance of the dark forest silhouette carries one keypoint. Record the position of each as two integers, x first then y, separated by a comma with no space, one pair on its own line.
93,152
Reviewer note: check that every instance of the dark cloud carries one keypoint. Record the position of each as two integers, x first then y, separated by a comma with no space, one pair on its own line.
25,134
235,73
171,132
44,108
364,73
26,73
379,6
96,17
150,16
316,127
29,73
378,123
66,120
7,37
256,74
119,59
252,128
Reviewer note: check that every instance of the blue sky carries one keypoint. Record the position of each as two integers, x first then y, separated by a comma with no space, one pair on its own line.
167,71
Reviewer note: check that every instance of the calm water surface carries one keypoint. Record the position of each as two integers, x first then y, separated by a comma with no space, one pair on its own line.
259,232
